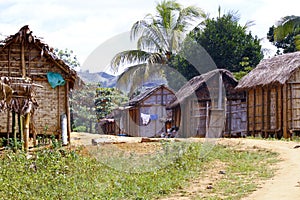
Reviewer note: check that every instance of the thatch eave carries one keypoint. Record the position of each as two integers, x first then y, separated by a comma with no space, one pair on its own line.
196,84
272,71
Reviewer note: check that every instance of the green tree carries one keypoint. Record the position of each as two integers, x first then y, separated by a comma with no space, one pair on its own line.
228,43
286,34
68,57
83,108
160,35
107,99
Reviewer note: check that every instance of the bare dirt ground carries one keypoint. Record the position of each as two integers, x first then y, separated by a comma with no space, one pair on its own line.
285,185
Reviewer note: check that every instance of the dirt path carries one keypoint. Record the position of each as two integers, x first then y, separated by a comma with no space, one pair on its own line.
285,185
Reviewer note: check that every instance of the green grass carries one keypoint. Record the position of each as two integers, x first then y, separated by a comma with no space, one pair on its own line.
66,174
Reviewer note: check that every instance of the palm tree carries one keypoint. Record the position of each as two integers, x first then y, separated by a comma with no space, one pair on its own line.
286,26
159,36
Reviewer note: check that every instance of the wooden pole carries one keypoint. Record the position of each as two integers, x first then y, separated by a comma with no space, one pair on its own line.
207,118
220,91
20,121
26,131
26,126
229,117
23,60
8,126
67,104
14,128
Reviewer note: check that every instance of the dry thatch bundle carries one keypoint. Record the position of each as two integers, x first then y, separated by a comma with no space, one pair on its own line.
276,70
20,97
5,95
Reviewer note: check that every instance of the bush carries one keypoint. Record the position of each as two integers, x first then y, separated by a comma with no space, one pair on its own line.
79,129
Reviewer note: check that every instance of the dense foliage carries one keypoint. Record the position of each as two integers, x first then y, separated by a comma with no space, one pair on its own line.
286,34
83,115
228,43
68,57
106,100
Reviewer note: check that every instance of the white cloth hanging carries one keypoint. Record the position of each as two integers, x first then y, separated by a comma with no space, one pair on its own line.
145,118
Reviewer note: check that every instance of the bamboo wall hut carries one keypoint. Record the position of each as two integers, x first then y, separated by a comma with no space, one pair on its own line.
27,62
273,96
209,106
146,114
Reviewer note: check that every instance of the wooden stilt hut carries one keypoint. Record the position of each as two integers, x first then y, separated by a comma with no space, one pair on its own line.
209,106
273,96
27,62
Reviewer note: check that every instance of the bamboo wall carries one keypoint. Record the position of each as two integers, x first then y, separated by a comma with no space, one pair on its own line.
275,110
197,116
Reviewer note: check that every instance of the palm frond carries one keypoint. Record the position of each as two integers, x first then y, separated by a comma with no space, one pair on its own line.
249,24
135,76
155,58
297,42
138,28
130,56
165,9
149,43
286,26
188,15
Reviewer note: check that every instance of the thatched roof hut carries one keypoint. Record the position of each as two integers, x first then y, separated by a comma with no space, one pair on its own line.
199,97
273,96
199,86
272,71
26,61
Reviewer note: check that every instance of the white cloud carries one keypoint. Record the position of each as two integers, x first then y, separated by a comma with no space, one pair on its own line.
84,25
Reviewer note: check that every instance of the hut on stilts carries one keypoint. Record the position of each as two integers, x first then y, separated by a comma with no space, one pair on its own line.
209,106
40,84
273,96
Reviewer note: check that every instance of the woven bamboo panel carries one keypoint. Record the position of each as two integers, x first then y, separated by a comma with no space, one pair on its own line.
3,122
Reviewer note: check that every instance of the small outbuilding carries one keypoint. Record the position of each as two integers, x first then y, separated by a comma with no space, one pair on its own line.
145,115
40,81
273,96
209,106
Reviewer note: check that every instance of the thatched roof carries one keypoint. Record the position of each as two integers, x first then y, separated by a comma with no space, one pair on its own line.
197,83
148,92
24,35
276,70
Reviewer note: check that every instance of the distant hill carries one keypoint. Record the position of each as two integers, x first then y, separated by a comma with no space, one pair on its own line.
106,80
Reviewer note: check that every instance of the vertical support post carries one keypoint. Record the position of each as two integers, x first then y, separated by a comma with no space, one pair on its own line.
26,132
229,117
67,104
20,121
8,125
23,60
254,113
207,118
247,111
285,110
263,127
14,130
220,91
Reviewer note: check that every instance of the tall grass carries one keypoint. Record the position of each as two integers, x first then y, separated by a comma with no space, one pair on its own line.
67,174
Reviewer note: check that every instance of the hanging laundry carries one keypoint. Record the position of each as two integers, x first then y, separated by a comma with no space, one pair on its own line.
145,118
154,117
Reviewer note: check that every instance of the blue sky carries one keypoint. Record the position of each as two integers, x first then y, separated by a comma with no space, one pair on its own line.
83,26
